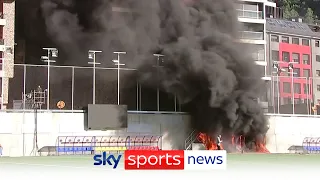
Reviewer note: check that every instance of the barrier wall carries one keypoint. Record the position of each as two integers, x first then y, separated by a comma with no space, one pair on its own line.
17,129
290,130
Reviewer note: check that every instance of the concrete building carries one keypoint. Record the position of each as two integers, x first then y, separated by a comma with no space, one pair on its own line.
253,14
7,25
295,43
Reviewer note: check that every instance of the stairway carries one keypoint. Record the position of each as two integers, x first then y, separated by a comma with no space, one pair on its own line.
190,139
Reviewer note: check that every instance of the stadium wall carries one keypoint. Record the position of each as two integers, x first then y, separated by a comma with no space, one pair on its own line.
17,129
290,130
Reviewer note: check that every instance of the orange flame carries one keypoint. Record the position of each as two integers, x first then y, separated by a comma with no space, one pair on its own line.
261,147
208,142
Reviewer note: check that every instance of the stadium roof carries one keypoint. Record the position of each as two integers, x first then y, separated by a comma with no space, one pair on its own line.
290,27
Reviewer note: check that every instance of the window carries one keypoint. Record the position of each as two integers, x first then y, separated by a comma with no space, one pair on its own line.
286,101
318,87
297,100
285,39
306,59
305,42
296,72
318,72
306,88
296,57
306,73
317,58
297,88
286,72
275,55
285,56
274,38
317,44
295,41
286,87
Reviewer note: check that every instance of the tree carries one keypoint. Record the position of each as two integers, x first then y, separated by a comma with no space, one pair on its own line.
309,16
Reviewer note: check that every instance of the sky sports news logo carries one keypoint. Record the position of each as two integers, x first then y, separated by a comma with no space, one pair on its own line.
163,160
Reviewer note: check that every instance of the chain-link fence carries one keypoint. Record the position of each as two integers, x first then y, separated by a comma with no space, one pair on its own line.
74,86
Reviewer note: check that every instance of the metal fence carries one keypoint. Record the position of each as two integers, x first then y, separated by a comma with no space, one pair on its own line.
293,95
74,86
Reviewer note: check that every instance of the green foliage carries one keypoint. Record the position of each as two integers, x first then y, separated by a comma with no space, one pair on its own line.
308,10
309,16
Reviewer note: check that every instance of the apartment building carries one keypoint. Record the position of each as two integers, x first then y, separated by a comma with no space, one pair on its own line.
7,24
295,47
253,14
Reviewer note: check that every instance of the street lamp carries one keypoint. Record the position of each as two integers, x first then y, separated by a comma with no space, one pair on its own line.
278,72
290,66
92,55
158,92
53,52
118,64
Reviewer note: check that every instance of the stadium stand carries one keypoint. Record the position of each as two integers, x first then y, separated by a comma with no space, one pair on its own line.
73,145
311,144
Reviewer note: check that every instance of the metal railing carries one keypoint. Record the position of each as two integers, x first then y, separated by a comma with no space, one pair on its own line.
190,139
251,35
249,14
74,86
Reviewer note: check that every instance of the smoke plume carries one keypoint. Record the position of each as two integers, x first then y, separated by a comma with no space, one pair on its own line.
212,75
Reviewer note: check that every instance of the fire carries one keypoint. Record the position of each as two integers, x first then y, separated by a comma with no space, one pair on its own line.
260,146
208,142
238,142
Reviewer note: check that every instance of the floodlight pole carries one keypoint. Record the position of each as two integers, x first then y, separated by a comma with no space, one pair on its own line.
93,52
158,92
276,64
118,76
290,66
47,59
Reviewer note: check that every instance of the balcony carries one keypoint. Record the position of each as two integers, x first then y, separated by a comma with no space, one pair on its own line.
251,35
249,14
2,20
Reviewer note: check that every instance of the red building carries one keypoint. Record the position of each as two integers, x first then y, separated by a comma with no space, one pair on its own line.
301,55
295,44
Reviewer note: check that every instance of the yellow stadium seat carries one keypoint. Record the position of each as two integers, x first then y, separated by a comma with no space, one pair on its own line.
107,148
104,148
98,149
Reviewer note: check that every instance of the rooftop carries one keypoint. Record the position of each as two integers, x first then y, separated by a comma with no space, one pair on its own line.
290,27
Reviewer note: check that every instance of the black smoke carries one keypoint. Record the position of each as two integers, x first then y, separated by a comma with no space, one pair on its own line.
213,76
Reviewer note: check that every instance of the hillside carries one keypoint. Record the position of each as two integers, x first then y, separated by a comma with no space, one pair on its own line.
308,10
